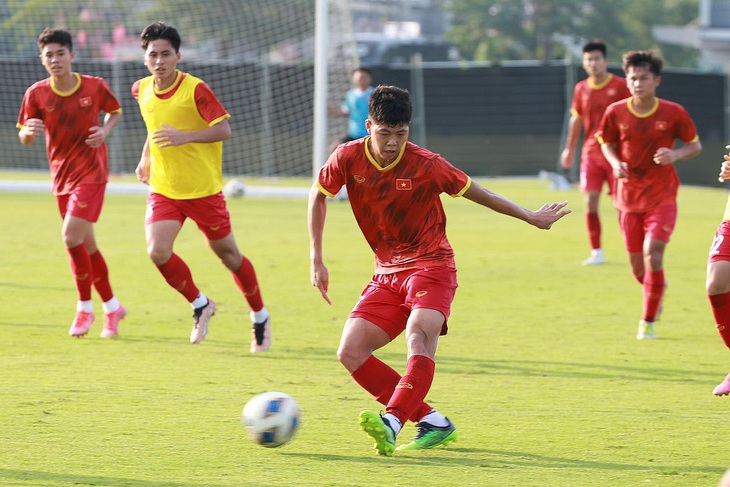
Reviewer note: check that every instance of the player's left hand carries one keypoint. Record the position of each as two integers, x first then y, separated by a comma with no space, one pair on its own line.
168,136
664,156
96,137
548,214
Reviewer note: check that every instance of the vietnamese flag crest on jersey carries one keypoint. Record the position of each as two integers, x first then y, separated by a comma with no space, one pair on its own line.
403,184
85,101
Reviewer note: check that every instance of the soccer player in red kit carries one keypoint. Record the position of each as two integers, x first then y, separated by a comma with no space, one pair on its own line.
718,278
66,107
182,161
394,189
637,137
591,96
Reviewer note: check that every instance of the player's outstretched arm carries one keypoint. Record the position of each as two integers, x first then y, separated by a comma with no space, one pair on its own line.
316,214
542,218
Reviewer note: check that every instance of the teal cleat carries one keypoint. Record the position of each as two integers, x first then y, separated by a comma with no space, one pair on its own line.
379,429
430,436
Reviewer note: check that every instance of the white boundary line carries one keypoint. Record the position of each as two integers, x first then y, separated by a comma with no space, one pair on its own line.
22,186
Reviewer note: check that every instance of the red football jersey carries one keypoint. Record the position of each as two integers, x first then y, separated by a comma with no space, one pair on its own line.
67,118
637,137
398,207
589,103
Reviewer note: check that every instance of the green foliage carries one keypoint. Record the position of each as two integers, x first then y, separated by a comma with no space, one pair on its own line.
529,29
540,370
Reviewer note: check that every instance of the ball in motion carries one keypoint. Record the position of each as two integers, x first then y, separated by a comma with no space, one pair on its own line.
234,189
271,418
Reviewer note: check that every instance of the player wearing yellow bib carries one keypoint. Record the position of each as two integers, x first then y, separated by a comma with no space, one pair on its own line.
182,163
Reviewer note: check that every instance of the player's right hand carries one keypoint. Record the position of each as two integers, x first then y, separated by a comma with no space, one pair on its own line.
33,127
320,278
143,171
566,159
725,168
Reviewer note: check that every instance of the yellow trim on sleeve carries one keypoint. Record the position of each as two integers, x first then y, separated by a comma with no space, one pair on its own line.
219,119
463,190
324,191
574,113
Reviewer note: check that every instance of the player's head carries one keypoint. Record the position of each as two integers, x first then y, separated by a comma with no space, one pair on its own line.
390,105
643,59
643,73
595,45
389,117
362,78
57,54
160,31
595,61
55,36
161,44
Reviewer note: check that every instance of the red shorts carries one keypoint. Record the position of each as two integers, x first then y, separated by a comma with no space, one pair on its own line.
657,223
720,249
85,201
595,172
210,213
388,299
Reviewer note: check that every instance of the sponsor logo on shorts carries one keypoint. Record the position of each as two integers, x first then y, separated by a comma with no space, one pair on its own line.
421,294
215,228
82,204
404,385
358,178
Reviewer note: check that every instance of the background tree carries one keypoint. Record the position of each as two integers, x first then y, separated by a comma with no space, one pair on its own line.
497,30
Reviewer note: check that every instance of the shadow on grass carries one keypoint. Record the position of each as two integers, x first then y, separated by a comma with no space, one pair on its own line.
538,368
35,477
484,458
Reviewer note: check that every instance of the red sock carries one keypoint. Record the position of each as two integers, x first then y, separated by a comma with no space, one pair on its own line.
412,388
246,281
593,223
177,274
653,293
380,380
721,310
101,276
81,269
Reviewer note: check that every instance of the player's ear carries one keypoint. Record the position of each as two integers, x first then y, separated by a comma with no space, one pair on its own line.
368,124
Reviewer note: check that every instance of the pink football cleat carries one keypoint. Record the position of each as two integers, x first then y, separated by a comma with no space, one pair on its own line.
723,388
81,324
260,335
111,322
200,327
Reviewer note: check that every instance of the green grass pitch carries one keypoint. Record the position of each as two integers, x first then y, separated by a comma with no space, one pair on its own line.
541,371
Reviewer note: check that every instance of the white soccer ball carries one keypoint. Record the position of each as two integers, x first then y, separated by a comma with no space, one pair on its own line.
271,418
234,189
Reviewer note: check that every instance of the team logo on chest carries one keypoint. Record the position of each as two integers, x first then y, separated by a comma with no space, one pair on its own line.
358,178
403,184
660,125
85,101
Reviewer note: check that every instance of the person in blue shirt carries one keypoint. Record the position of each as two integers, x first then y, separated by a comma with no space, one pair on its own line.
355,106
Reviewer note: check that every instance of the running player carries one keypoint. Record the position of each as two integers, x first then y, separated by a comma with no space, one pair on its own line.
67,107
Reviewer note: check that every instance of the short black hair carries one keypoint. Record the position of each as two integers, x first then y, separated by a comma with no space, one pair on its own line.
55,36
390,105
595,45
648,58
160,30
363,70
